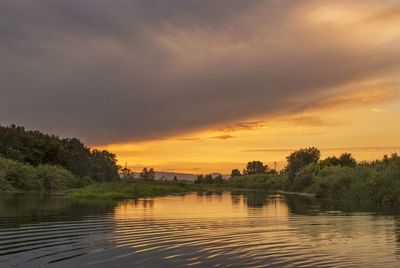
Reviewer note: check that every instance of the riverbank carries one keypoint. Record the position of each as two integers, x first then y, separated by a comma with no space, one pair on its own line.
139,189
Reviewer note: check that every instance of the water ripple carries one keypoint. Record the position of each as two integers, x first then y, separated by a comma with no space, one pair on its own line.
200,231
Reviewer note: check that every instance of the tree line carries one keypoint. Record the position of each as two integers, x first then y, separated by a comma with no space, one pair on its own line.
209,179
36,149
333,177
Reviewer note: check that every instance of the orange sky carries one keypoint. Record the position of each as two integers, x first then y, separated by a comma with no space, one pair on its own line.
364,122
361,116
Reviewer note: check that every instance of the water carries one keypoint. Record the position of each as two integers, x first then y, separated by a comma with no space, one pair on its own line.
198,229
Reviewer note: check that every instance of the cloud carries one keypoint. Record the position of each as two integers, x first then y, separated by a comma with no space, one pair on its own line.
113,71
223,137
190,139
240,126
307,120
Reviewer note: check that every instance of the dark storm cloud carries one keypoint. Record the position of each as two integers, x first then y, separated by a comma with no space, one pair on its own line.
110,71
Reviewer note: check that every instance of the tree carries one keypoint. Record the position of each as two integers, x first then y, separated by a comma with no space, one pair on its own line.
219,179
208,179
143,174
301,158
255,167
347,160
329,161
235,173
199,179
36,148
148,175
151,175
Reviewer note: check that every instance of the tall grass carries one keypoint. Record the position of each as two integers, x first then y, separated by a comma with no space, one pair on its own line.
132,190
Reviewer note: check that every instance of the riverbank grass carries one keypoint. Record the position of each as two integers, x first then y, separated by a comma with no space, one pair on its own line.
133,190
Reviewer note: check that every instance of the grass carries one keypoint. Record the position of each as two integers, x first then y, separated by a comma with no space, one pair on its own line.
133,190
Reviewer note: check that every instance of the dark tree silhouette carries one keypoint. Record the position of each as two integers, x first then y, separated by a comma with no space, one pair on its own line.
199,179
301,158
148,175
345,160
235,173
219,179
255,167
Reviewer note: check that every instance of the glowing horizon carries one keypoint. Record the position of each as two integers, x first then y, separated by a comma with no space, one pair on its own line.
205,86
348,126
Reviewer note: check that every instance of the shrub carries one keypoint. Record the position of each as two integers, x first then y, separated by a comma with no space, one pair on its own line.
18,176
55,178
260,182
304,178
4,183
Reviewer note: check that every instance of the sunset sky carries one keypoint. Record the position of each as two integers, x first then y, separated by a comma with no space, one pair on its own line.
205,86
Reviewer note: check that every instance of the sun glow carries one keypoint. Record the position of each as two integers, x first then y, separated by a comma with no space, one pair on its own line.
340,124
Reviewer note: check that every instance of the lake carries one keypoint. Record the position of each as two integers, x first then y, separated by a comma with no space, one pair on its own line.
214,229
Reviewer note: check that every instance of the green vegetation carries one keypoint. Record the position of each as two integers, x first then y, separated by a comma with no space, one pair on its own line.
256,167
45,178
209,179
35,148
132,190
331,178
33,161
267,182
148,175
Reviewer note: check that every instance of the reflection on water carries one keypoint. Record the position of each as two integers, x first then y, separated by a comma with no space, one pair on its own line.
198,229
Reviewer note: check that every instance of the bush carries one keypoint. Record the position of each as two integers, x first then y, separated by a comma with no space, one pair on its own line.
333,182
378,182
55,178
4,183
260,182
18,176
304,178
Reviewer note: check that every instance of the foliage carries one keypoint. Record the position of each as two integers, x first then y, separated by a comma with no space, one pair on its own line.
260,182
255,167
378,181
345,160
235,173
35,148
148,175
301,158
5,185
209,179
303,179
18,176
333,178
55,178
132,190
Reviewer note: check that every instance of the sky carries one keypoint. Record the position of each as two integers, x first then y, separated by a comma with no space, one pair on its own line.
205,86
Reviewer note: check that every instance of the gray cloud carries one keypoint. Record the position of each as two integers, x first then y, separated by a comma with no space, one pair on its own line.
110,71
